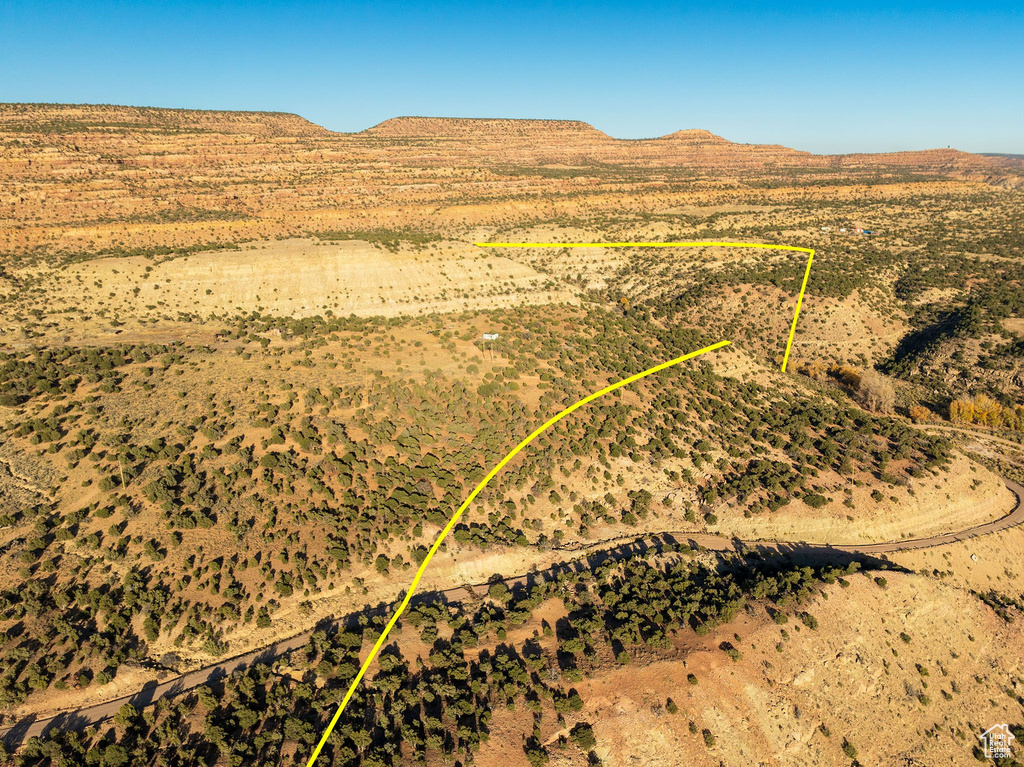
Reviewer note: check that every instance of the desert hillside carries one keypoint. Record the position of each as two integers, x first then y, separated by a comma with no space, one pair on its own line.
477,129
250,368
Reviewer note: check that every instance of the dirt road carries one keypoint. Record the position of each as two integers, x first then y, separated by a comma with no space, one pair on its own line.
90,715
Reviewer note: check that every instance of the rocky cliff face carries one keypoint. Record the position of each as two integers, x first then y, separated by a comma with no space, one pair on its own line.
511,140
573,142
92,118
485,128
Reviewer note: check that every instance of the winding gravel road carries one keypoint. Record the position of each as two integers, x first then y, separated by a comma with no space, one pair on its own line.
83,717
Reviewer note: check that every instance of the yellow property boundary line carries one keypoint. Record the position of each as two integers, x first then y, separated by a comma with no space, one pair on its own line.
465,504
547,425
763,246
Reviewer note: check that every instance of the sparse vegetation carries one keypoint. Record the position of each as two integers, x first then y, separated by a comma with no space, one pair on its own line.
198,458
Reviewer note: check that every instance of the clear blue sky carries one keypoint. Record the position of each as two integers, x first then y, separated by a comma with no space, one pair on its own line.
867,76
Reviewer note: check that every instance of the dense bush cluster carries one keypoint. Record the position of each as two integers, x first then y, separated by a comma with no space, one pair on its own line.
61,370
986,411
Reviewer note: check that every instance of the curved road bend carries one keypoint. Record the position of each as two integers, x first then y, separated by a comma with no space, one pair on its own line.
90,715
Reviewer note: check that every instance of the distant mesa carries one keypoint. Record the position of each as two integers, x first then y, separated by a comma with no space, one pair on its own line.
483,127
92,118
491,127
695,136
563,143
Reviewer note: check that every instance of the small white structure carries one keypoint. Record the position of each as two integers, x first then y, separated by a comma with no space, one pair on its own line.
489,337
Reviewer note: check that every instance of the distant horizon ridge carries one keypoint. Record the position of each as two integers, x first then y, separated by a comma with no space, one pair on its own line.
553,121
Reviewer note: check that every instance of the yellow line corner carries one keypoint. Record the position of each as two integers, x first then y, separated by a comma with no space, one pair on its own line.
696,244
